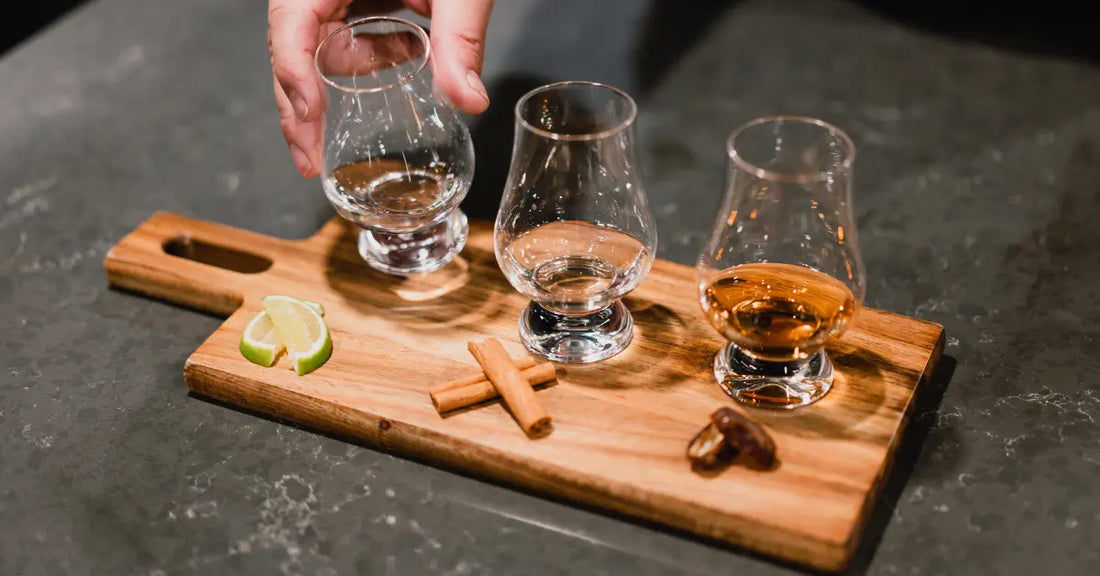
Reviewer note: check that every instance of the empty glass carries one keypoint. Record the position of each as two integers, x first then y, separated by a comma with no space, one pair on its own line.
781,273
398,159
574,231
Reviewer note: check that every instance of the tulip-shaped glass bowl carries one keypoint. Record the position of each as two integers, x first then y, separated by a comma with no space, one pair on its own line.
781,273
574,231
398,160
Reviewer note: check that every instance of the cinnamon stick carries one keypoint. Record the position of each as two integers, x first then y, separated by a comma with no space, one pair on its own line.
476,389
521,363
513,388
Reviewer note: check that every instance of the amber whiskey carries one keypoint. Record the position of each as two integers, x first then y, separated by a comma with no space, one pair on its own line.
777,312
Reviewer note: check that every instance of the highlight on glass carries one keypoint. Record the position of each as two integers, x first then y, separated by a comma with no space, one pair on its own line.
398,160
781,274
574,231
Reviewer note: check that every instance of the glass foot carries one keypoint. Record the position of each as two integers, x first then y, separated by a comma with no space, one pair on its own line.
772,384
576,339
415,252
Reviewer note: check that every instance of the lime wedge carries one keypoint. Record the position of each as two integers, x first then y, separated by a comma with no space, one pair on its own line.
302,331
260,343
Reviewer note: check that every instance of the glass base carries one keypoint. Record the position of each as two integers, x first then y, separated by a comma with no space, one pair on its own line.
576,339
408,253
772,384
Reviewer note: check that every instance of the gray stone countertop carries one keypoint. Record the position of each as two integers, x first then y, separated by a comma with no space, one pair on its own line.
977,200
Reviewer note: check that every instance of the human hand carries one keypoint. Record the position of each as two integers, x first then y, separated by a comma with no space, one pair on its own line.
295,27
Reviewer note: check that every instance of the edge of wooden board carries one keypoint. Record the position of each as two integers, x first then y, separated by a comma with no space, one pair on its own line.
126,271
438,450
866,511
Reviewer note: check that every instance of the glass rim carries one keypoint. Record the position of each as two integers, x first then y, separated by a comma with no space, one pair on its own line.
619,127
781,176
416,28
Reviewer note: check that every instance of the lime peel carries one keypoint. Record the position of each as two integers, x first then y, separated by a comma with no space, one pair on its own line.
302,330
261,342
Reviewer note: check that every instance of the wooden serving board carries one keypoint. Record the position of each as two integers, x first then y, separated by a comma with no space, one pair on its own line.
620,426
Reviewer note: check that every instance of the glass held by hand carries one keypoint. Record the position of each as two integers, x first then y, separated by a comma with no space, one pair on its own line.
398,160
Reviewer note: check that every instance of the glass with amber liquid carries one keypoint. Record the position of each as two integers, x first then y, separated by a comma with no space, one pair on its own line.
781,273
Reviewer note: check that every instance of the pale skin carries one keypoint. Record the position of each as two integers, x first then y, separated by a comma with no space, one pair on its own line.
296,26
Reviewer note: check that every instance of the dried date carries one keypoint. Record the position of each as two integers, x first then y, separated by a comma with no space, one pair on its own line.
709,449
728,436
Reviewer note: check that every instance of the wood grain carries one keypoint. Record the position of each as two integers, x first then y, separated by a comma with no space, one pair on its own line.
620,426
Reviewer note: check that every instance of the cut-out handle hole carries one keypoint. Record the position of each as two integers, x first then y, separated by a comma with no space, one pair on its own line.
190,248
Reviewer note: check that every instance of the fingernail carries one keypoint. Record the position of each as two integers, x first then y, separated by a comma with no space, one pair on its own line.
475,82
299,103
301,161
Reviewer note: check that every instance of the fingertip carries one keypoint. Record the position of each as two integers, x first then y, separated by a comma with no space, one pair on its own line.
315,106
301,107
480,99
315,164
306,158
457,72
301,161
466,92
305,100
474,105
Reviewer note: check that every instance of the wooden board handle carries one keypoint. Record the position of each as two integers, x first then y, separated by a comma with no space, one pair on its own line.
199,264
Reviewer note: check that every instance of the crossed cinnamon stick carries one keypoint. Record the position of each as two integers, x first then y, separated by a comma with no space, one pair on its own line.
502,377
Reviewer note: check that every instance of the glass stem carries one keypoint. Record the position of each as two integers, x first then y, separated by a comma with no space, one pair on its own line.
576,339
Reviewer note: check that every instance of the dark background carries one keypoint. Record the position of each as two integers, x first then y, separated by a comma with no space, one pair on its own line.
976,198
1061,28
32,17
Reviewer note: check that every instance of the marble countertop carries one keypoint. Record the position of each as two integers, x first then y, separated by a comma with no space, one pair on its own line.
977,202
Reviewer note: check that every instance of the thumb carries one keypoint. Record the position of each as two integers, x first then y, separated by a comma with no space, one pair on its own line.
293,33
458,43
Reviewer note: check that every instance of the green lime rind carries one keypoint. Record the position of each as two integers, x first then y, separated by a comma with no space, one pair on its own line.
262,352
287,320
265,350
308,364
